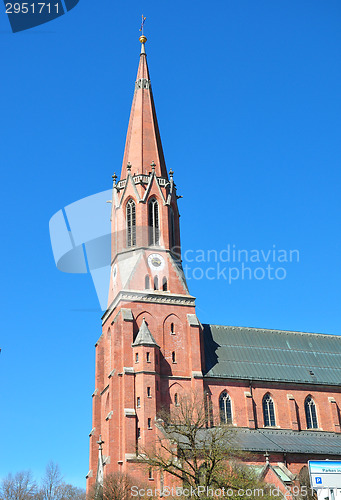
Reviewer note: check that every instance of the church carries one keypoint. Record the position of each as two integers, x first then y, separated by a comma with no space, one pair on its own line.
279,389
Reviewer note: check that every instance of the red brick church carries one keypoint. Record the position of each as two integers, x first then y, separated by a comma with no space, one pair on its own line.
280,389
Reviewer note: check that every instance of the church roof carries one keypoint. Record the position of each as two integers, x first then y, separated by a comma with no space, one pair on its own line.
275,355
270,440
144,337
286,440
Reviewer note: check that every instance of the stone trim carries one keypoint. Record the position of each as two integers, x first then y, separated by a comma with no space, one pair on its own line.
142,83
110,414
192,320
105,390
89,474
128,370
149,297
129,412
127,314
146,372
112,373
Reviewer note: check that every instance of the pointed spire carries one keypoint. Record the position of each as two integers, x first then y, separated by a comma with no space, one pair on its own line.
144,337
143,144
100,467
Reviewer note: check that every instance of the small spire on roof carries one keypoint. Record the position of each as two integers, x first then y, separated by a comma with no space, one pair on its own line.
100,442
144,337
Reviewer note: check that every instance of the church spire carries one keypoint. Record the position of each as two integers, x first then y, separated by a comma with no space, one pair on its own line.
143,144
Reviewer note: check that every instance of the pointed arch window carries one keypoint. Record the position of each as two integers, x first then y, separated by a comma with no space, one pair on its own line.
147,282
164,284
225,408
269,411
131,223
156,283
310,413
153,222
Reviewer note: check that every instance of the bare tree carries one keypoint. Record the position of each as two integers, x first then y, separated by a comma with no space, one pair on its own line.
51,482
69,492
185,447
54,488
19,486
116,486
195,454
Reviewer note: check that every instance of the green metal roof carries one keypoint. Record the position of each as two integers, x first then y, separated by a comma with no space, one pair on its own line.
276,355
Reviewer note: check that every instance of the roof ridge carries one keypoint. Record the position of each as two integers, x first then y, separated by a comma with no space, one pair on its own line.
275,330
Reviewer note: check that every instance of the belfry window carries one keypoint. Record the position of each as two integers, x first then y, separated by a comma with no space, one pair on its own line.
164,284
156,283
153,222
147,282
310,413
131,223
225,408
268,411
171,228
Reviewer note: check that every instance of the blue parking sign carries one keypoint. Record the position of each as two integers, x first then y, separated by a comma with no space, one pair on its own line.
318,480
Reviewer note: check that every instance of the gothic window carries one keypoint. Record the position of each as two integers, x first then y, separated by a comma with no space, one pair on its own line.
176,399
164,284
147,282
173,357
172,329
310,413
225,408
156,283
131,223
153,222
269,411
138,402
149,392
171,228
148,357
137,357
149,423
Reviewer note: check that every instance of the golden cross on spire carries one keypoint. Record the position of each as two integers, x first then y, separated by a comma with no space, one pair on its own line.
142,24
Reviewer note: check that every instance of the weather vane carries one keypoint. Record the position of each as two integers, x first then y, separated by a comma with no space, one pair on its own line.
142,24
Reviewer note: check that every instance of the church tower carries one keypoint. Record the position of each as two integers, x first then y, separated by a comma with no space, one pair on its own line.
150,350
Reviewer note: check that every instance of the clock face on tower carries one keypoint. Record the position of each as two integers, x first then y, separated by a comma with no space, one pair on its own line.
156,262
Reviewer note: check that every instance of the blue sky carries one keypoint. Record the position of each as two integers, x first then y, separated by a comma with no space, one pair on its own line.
249,107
